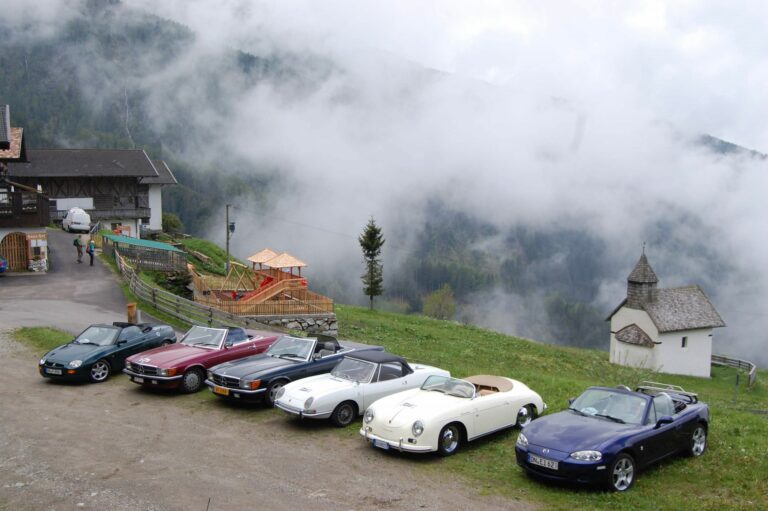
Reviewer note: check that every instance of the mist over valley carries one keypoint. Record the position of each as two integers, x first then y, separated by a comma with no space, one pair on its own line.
526,171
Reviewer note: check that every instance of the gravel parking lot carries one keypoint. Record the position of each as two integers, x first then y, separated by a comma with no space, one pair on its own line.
113,446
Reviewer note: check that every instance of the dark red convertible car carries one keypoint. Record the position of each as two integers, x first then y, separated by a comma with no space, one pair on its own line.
183,365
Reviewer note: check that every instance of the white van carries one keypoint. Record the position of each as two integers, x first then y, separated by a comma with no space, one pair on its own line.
76,220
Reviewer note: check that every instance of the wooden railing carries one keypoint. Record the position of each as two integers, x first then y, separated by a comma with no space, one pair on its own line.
743,365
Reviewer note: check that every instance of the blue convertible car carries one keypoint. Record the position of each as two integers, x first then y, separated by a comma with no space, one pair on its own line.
608,434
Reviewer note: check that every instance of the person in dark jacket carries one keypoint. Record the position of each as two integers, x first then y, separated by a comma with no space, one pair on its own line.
79,246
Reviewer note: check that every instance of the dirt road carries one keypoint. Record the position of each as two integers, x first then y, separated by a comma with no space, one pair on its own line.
112,446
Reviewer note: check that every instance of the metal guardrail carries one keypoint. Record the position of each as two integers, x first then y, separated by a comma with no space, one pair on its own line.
181,308
744,365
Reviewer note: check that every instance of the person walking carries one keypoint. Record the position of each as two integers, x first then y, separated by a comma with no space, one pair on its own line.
79,246
91,249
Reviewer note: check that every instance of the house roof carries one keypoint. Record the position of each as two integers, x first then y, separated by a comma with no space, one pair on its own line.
643,273
164,175
84,163
263,256
682,308
137,242
285,260
633,334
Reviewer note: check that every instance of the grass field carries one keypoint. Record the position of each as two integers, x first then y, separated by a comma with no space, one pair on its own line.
731,475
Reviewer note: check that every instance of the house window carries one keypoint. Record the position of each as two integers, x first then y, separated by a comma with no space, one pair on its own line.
685,342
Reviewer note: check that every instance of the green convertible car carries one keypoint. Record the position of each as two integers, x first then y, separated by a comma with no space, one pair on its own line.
101,350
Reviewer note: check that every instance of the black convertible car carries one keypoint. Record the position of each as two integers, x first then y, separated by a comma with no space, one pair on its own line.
101,350
258,378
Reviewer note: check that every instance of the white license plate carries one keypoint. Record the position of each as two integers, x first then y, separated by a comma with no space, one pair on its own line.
381,444
542,462
52,371
138,380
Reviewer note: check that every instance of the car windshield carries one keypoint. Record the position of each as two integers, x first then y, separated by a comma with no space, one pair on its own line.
355,370
611,405
447,385
292,347
204,337
98,335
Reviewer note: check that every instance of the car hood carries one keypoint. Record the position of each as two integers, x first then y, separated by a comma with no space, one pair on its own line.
173,355
255,366
72,351
317,386
401,409
568,431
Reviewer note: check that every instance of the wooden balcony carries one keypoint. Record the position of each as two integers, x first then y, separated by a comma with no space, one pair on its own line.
104,214
23,209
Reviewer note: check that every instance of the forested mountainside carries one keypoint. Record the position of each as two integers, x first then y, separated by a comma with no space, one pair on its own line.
114,77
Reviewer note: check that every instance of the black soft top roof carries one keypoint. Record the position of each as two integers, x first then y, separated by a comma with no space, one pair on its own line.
378,357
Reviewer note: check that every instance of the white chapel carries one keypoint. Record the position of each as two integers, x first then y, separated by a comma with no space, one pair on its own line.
666,330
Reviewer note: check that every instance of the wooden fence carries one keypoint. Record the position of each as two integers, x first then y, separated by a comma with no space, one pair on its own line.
744,365
156,260
181,308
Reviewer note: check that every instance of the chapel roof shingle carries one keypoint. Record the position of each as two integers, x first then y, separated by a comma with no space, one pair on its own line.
643,273
682,308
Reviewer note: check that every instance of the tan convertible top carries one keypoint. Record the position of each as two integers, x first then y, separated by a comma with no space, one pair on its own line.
486,380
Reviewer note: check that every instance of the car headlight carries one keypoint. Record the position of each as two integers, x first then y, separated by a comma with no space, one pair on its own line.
75,364
417,428
42,361
280,393
369,414
251,385
522,441
307,403
127,365
587,455
209,375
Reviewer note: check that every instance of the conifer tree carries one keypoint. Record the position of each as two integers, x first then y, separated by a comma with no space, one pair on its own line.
371,241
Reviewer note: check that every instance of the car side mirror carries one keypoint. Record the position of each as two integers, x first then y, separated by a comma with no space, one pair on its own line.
121,342
665,419
228,345
147,329
571,400
315,356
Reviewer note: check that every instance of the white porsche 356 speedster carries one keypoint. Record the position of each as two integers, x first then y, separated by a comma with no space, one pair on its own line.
354,383
444,412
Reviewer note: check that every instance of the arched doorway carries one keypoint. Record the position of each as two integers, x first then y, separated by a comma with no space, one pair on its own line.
15,248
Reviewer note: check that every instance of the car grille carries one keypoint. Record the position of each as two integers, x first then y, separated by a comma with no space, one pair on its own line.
54,364
226,381
142,369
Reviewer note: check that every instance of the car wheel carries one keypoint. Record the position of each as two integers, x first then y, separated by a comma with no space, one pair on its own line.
698,441
192,381
449,440
525,416
344,414
272,391
100,371
622,473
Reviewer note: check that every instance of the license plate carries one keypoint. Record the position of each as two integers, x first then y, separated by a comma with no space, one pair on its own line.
542,462
138,380
381,444
220,390
52,371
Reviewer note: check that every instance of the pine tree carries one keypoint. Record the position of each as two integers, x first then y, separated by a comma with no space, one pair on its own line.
371,242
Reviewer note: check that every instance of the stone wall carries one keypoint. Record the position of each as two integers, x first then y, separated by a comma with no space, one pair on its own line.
310,323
